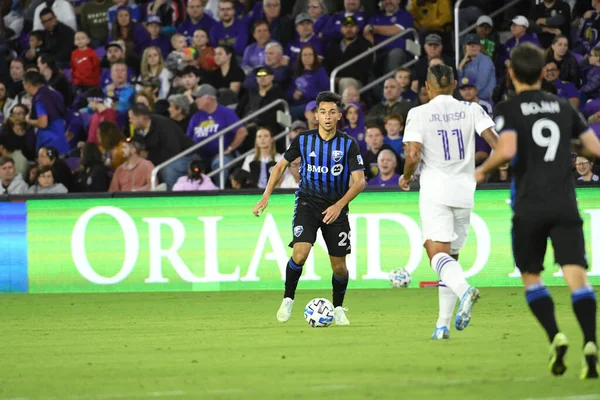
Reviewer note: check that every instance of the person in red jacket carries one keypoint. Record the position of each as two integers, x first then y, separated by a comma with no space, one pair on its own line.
85,64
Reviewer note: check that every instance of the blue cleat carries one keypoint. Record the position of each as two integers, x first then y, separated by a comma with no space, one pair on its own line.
441,333
463,315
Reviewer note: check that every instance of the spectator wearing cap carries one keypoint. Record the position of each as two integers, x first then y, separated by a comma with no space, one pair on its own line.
59,38
280,24
9,148
317,10
229,31
385,24
310,114
135,11
275,59
47,113
62,11
135,174
179,110
468,91
584,167
566,90
310,78
478,66
97,103
163,139
154,26
229,75
210,119
350,45
256,99
254,55
352,8
518,28
133,34
489,40
566,61
433,49
306,37
120,89
11,181
589,34
554,18
153,66
196,19
295,129
387,161
94,20
115,52
390,105
432,15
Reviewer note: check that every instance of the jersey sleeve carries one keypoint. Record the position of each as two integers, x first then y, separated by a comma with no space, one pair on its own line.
580,125
481,118
40,110
355,161
412,130
503,119
293,150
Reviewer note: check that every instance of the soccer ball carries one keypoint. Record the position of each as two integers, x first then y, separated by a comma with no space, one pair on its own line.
399,277
319,313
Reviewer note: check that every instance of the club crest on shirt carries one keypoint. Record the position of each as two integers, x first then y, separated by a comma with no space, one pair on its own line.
337,155
298,230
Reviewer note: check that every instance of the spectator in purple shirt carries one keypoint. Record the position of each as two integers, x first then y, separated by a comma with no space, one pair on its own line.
310,78
387,161
355,127
249,11
281,27
254,55
115,52
318,12
136,12
197,19
566,90
133,34
333,30
276,61
384,25
210,119
518,29
229,31
591,74
306,36
154,25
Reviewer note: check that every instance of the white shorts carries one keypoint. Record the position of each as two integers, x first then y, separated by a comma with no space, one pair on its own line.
441,223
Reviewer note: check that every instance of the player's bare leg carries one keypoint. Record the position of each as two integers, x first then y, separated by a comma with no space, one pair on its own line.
293,272
584,306
339,282
541,305
451,274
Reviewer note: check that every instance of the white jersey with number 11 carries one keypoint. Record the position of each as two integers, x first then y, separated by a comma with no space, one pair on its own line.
446,128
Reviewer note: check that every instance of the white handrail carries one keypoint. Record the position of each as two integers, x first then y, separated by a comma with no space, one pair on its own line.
219,135
368,52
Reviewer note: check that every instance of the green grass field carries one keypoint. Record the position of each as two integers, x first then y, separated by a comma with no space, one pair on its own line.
230,346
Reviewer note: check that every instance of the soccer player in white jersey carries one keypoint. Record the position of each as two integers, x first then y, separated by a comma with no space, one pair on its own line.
441,135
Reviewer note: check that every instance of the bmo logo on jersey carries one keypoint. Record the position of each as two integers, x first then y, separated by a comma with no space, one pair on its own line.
335,170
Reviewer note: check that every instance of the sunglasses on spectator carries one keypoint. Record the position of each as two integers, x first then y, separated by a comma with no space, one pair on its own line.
262,73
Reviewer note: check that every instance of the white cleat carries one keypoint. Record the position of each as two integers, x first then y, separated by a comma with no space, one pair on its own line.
340,316
285,310
441,333
463,314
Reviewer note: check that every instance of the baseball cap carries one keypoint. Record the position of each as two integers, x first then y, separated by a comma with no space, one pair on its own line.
115,43
311,106
349,20
466,81
300,18
484,19
263,70
205,90
472,38
153,19
95,94
521,20
433,38
298,125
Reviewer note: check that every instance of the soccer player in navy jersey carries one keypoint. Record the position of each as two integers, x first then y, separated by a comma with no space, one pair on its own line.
329,159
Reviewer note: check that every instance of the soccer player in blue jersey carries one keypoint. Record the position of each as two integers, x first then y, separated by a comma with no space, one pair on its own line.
329,159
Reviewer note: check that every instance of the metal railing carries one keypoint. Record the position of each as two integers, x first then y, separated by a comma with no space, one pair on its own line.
458,33
413,48
367,53
246,154
219,135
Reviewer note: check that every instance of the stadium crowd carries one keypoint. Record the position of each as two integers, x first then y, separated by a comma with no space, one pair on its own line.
95,93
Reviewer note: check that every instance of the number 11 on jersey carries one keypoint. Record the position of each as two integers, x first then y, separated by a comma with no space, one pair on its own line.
459,138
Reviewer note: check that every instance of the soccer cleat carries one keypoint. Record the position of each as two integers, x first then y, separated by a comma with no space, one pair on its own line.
463,315
558,350
340,316
285,310
590,368
441,333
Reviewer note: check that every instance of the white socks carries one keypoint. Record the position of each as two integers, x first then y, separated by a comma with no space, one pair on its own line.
447,304
450,272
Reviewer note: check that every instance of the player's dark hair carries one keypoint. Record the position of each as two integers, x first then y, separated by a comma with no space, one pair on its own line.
34,78
441,76
527,62
329,97
195,171
140,110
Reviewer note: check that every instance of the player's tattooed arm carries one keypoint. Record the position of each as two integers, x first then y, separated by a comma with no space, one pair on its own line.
274,179
491,137
412,151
